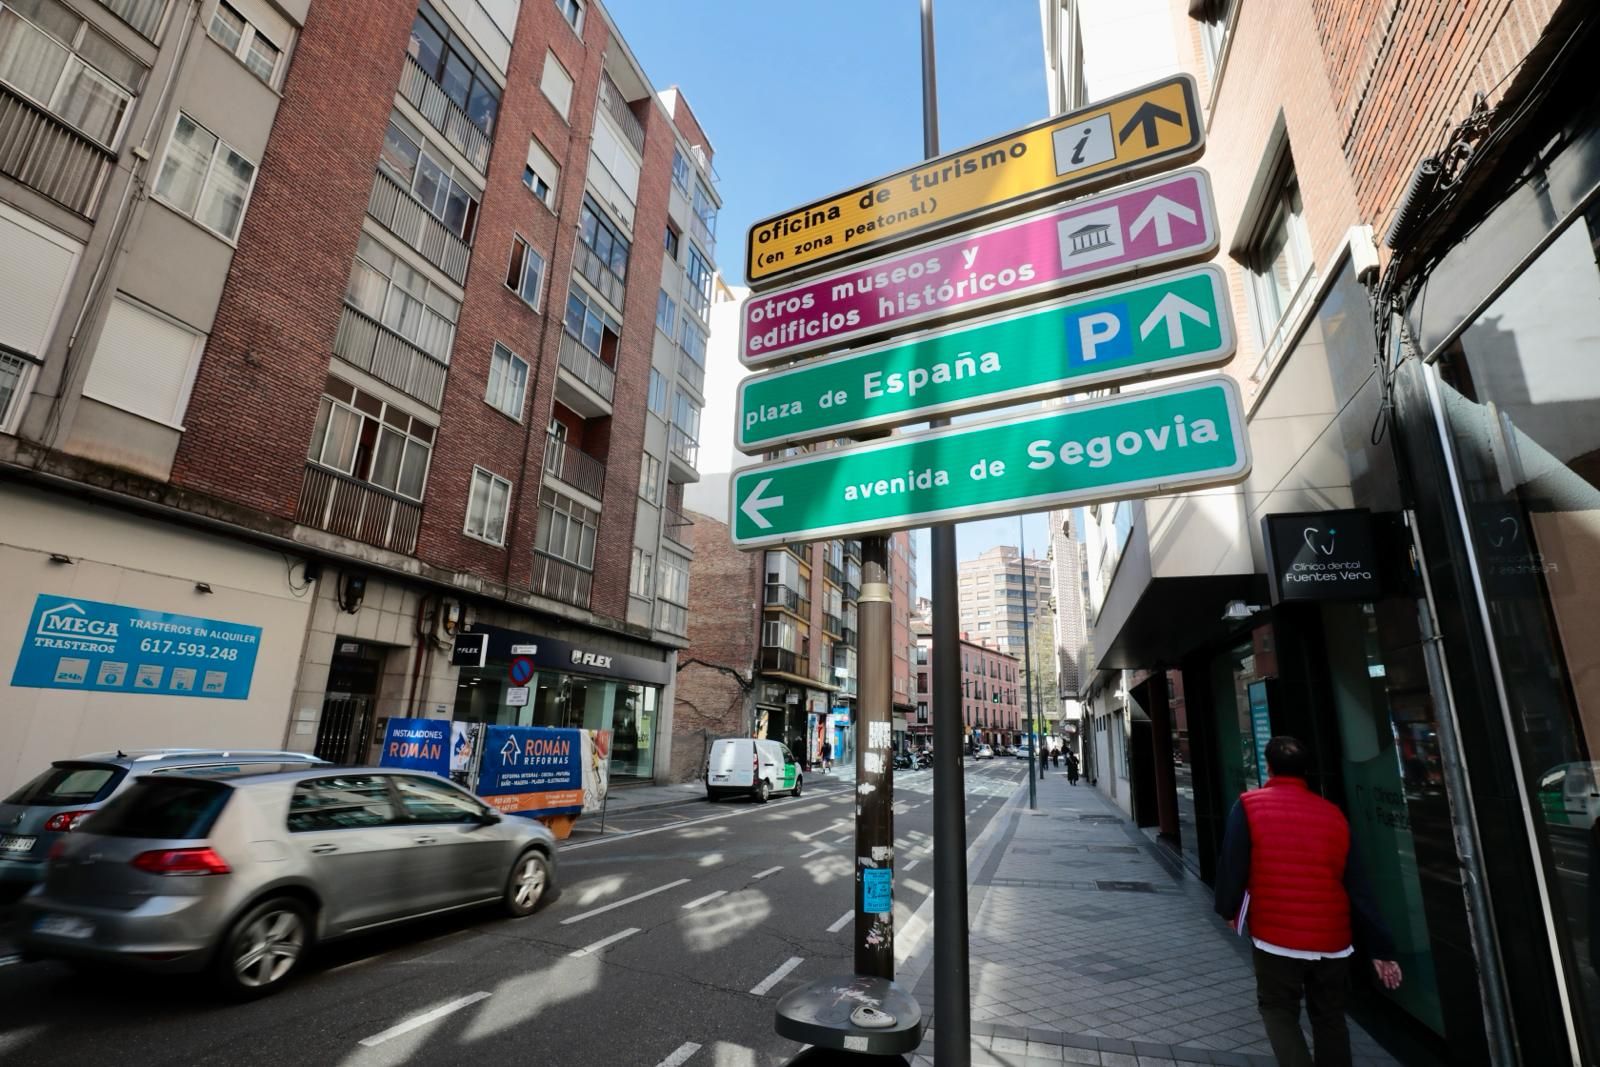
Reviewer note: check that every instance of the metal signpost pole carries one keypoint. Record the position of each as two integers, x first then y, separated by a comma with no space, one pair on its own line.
1027,670
874,771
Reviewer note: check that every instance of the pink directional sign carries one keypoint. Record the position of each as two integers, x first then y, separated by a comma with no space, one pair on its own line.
1124,231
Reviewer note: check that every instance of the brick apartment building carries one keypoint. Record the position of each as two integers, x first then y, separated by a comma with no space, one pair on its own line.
1407,198
991,697
350,325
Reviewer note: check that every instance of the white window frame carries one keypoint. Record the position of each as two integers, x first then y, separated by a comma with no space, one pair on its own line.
319,443
211,166
575,21
666,313
241,51
642,575
539,160
529,256
70,67
564,111
650,483
191,371
512,360
658,388
489,480
393,290
1276,211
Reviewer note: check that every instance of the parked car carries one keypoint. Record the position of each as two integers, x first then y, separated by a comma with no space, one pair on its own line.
242,872
754,766
58,801
983,752
1024,750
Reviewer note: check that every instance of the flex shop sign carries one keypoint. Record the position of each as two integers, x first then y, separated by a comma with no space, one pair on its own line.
89,645
1322,555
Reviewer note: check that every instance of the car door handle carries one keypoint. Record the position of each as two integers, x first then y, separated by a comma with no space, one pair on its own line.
323,850
425,840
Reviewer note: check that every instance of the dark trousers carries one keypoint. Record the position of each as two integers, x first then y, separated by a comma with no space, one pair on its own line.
1281,981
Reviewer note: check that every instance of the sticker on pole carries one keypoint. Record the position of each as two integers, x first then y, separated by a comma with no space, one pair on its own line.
877,890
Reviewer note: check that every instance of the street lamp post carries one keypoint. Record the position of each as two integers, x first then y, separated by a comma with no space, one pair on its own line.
1027,670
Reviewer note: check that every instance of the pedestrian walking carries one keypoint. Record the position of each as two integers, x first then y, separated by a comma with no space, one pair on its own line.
827,756
1289,873
1055,757
1072,767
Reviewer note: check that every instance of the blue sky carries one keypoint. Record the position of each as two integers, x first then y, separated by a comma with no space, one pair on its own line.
804,99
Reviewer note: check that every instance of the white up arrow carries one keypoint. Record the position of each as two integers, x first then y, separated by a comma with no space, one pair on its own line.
1171,310
754,505
1160,211
508,751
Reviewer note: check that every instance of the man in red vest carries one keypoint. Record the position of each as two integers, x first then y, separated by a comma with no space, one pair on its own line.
1287,869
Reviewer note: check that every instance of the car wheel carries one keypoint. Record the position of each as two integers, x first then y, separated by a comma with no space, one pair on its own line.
798,781
264,947
527,883
763,791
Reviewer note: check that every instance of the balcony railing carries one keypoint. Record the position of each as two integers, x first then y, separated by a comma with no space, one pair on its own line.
781,596
573,465
833,572
693,374
677,525
781,659
560,580
599,275
851,590
49,156
445,114
590,368
615,106
848,636
683,446
831,624
853,549
352,508
366,343
702,234
414,224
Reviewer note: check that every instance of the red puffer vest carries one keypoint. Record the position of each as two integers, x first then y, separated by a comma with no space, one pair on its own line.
1298,846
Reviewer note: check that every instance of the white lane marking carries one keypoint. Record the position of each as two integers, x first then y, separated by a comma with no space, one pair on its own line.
819,849
6,961
776,976
769,870
424,1019
590,950
825,829
843,921
846,839
680,1054
910,865
628,834
697,901
619,903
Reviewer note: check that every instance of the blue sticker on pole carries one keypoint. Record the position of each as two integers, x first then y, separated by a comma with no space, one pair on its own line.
417,745
877,890
110,648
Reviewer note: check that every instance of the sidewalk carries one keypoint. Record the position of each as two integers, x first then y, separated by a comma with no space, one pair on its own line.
1089,945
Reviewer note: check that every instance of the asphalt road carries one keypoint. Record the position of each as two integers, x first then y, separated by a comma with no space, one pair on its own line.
673,937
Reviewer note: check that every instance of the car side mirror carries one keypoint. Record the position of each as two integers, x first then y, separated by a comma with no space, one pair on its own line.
489,817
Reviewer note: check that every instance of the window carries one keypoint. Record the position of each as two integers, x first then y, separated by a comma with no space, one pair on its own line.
541,174
556,84
487,505
705,213
567,529
672,242
433,800
657,402
642,583
347,802
144,363
572,11
446,59
387,288
603,252
1279,259
35,271
693,343
52,56
922,654
367,439
685,436
650,478
142,15
666,313
433,181
247,43
1215,23
680,170
525,276
700,272
672,589
204,179
508,381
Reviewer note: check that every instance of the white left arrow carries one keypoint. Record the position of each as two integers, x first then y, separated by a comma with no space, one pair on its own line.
1160,211
1173,309
755,504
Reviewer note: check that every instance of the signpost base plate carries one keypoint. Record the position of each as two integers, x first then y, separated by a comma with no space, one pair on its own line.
819,1014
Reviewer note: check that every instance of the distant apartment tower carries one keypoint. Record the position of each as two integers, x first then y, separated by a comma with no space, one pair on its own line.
355,324
991,591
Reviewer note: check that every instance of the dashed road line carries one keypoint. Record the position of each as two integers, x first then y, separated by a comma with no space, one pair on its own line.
697,901
590,950
424,1019
619,903
776,976
818,850
680,1054
843,921
818,833
768,871
910,865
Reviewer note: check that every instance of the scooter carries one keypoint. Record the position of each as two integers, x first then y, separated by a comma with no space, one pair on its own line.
903,761
924,759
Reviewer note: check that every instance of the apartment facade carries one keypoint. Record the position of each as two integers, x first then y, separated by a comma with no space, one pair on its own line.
997,589
1406,195
348,350
991,693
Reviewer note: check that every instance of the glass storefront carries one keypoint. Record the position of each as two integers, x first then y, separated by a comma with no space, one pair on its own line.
1520,389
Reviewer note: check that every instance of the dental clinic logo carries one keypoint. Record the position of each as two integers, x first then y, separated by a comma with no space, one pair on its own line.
71,620
1310,535
1510,530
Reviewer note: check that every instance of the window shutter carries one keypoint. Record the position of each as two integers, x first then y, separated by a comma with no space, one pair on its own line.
556,84
144,363
34,274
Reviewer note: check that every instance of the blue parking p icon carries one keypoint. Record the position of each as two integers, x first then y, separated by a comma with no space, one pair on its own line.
1099,336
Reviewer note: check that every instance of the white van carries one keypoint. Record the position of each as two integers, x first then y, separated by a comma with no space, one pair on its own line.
748,765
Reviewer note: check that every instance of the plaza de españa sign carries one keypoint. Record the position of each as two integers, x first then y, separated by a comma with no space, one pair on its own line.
1158,124
1135,444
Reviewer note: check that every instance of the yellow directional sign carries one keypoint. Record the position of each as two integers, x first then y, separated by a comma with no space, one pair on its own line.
1093,147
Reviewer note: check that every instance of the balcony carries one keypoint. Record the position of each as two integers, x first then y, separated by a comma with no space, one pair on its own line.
831,625
49,156
613,104
851,590
599,275
781,596
833,572
852,550
570,464
849,636
365,342
560,580
683,453
445,115
676,527
693,374
785,662
591,384
348,507
408,220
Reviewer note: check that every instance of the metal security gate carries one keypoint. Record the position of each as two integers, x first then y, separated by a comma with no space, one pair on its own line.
346,728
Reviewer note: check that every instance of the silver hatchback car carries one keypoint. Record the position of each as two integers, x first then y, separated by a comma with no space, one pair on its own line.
242,873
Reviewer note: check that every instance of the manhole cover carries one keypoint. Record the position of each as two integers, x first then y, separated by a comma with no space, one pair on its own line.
1126,887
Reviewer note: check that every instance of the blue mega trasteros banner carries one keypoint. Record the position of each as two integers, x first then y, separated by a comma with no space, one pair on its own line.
110,648
417,745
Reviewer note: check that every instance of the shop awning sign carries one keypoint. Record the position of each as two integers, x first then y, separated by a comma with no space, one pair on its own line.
1322,555
1158,124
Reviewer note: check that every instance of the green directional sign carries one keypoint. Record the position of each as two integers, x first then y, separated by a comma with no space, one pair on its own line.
1179,437
1175,322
